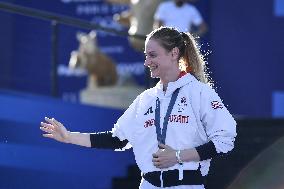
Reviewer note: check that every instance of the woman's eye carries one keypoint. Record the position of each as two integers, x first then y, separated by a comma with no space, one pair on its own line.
150,55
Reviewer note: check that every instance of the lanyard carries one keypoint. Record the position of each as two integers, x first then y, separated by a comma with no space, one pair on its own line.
161,133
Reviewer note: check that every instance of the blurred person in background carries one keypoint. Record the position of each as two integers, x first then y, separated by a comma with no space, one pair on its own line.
181,15
174,128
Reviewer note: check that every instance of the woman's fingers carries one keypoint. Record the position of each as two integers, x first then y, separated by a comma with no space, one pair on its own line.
156,162
48,135
47,130
161,146
49,126
164,146
155,155
48,120
51,121
53,129
155,159
57,122
164,158
160,165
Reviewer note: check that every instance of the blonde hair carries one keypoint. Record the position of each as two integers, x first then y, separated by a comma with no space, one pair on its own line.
190,58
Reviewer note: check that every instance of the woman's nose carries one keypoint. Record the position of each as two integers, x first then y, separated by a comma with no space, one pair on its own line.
146,62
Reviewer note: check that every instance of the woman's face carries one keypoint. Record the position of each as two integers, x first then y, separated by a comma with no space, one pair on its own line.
157,59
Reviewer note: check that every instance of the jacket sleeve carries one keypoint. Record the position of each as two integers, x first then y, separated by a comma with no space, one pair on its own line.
125,125
218,123
104,140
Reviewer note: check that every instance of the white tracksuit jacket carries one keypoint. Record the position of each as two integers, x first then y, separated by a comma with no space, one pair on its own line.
198,116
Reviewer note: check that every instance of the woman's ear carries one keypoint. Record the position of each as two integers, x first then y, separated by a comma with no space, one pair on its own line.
175,53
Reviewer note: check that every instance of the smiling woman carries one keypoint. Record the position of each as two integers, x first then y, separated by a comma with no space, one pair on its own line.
176,49
173,128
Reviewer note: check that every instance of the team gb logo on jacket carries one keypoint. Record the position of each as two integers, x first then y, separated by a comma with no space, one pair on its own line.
182,104
216,104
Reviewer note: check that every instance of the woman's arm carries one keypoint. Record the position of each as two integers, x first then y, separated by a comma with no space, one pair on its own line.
166,156
57,131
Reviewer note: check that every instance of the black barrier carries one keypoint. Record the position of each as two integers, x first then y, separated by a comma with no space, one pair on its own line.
61,19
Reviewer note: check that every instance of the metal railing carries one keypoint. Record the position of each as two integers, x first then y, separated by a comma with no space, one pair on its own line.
56,19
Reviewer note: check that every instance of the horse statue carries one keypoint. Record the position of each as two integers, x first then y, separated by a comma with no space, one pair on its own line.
139,19
101,68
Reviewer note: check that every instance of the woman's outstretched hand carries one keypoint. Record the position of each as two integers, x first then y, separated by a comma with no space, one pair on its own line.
55,130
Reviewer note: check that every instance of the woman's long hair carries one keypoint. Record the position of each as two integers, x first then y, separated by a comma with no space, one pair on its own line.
190,58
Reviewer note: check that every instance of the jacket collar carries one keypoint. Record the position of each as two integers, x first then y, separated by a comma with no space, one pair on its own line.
172,86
